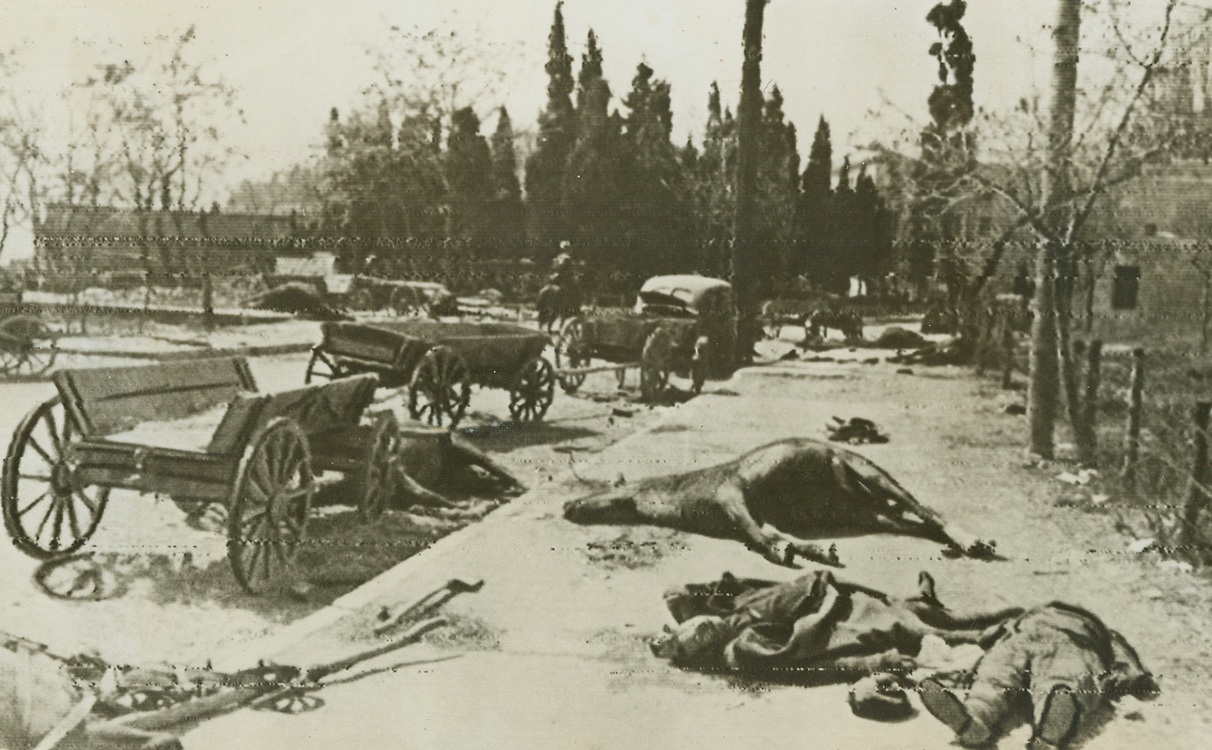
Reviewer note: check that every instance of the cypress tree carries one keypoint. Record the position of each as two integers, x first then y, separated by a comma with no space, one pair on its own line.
557,136
593,183
813,240
468,171
656,207
508,213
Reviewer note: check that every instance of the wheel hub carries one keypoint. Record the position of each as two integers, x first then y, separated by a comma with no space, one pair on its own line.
61,479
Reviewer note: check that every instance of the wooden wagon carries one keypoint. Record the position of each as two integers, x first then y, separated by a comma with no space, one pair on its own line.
27,346
439,361
198,432
680,324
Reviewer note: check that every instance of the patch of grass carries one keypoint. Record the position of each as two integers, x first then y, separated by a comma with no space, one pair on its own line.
1174,381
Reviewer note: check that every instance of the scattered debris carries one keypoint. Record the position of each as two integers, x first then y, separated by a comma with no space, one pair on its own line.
1140,546
302,591
1176,566
1081,478
855,431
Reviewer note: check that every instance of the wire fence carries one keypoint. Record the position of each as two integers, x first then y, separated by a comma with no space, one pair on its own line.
1152,445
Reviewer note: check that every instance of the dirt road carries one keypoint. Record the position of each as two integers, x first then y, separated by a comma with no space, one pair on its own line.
552,652
179,601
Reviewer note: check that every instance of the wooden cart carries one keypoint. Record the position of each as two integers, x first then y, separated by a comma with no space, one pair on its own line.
681,324
439,361
27,346
196,431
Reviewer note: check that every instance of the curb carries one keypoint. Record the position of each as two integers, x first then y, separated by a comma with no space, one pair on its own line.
177,355
270,645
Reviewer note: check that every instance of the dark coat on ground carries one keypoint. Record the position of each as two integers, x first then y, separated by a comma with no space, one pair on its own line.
814,629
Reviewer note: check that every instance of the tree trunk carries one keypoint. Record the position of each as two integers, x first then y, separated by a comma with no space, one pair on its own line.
1083,434
1043,389
745,250
1042,395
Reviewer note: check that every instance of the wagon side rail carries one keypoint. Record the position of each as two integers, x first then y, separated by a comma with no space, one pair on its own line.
104,401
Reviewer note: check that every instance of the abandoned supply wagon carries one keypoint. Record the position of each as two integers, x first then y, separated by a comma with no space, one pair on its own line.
200,433
680,324
27,345
439,361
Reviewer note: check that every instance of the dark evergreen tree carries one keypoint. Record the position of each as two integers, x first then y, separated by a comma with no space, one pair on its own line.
594,179
948,151
508,214
557,136
710,185
591,70
655,209
776,188
468,169
873,230
813,240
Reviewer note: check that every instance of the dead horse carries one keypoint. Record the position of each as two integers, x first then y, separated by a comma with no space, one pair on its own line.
772,497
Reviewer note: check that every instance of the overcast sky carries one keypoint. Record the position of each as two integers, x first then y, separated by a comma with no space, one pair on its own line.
292,61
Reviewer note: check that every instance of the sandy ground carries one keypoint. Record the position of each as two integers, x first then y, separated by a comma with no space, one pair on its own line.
179,601
552,652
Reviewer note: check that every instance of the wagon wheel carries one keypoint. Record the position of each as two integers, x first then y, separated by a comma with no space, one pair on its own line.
571,352
376,480
321,366
45,511
533,390
361,300
440,387
27,346
656,361
269,502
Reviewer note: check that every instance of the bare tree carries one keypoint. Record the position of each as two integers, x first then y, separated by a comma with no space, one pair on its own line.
1047,170
149,134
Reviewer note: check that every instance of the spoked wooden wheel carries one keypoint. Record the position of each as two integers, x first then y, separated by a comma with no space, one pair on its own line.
533,390
655,363
322,366
376,480
571,353
45,512
440,388
269,503
27,346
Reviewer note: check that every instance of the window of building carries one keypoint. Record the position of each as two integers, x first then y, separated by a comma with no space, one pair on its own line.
1125,287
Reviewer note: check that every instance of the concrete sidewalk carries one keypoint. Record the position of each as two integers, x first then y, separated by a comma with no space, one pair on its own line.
552,653
284,337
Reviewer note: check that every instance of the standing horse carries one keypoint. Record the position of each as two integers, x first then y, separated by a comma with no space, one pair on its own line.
558,302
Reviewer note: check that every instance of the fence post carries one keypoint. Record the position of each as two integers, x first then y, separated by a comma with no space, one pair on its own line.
1094,358
1197,496
208,303
1132,440
1007,355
